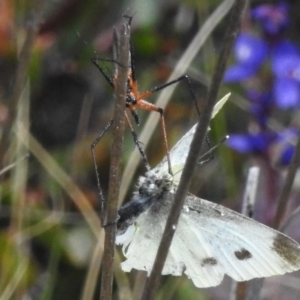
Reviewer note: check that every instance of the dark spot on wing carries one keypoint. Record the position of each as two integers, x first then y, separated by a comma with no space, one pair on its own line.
209,261
242,254
287,249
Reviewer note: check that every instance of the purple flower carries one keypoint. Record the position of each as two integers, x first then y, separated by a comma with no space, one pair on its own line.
279,144
249,52
273,18
286,93
285,64
251,142
286,61
285,47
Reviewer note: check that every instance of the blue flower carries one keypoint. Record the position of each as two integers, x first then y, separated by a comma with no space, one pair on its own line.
286,93
254,143
267,143
250,52
273,18
285,64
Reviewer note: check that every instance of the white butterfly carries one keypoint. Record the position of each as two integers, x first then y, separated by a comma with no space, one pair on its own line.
210,240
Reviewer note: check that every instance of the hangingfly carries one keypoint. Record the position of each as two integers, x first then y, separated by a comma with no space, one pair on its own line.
210,240
136,100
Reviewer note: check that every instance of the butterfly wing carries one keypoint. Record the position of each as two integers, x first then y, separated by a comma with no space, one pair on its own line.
211,241
179,152
222,241
140,244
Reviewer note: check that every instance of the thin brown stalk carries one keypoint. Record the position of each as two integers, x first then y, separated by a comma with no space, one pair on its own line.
115,167
286,190
231,32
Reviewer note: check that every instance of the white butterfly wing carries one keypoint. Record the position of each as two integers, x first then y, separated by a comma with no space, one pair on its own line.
222,241
179,152
141,244
211,241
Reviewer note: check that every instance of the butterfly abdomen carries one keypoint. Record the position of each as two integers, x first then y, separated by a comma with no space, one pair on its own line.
130,211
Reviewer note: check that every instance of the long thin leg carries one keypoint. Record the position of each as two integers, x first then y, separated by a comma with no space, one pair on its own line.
137,143
108,78
96,141
149,106
162,118
102,199
125,16
212,149
210,152
135,138
160,87
134,115
134,85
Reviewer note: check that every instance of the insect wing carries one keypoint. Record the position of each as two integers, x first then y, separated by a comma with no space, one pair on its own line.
211,241
222,241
